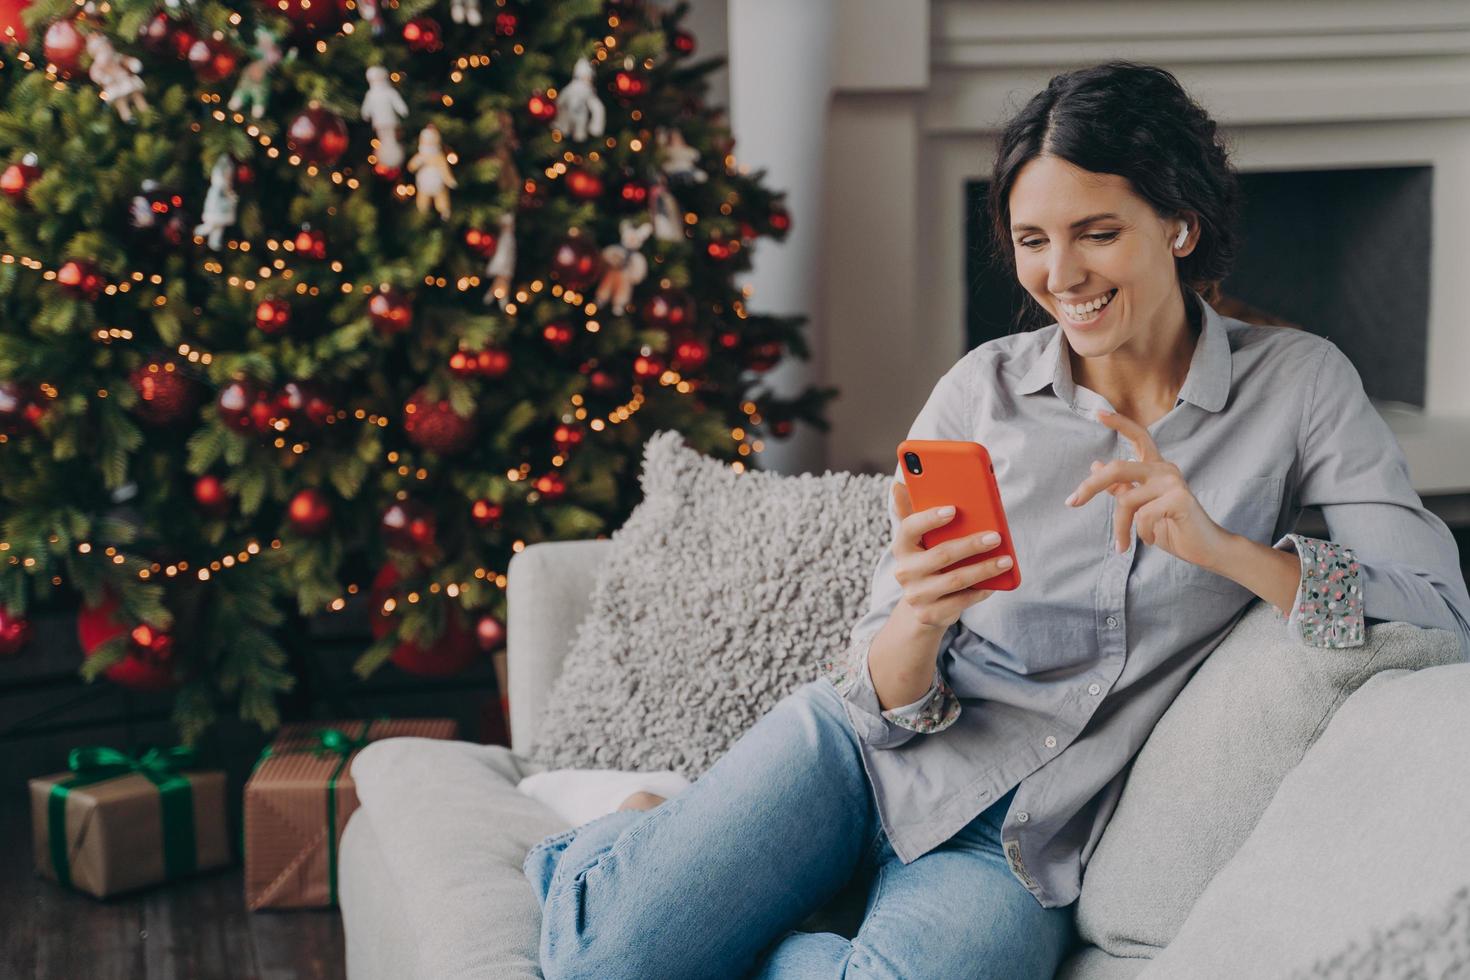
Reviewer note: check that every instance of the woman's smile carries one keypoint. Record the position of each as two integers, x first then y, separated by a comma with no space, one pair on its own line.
1088,315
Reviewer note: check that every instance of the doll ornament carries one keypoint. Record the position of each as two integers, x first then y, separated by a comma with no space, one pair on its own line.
382,107
117,76
578,110
679,158
625,266
253,88
465,12
221,203
433,180
502,264
668,221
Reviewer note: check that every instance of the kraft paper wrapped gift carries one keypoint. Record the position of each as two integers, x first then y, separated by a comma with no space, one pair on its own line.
114,822
297,801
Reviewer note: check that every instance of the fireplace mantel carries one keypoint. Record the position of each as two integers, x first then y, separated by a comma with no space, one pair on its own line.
921,87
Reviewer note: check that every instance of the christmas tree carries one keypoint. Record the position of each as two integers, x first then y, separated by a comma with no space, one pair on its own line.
303,299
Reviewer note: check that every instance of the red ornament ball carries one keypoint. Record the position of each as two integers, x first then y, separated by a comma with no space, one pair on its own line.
455,649
782,428
149,664
482,243
212,60
490,633
648,367
583,185
462,364
506,24
309,512
558,335
550,485
493,362
763,356
408,525
165,394
211,496
690,353
423,34
435,426
20,408
577,262
541,107
568,437
157,36
80,278
244,406
156,217
12,27
303,405
629,84
633,193
317,136
683,42
63,45
310,243
669,309
390,310
485,513
15,633
272,315
17,179
780,220
722,250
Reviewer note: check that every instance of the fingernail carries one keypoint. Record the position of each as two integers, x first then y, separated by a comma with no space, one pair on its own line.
1004,562
1072,499
990,537
946,512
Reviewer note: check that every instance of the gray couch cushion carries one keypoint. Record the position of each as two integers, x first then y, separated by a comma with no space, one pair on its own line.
722,593
1367,829
1212,764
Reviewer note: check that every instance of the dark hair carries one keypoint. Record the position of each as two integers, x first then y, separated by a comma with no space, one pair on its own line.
1137,122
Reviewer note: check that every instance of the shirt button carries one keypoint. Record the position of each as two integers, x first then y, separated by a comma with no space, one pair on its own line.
1094,688
1112,622
1022,816
1051,741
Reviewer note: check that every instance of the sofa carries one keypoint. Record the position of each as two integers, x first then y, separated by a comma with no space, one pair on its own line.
1297,812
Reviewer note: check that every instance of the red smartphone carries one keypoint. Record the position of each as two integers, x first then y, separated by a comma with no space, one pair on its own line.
959,473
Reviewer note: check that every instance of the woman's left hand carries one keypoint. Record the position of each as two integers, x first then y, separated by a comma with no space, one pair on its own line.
1161,503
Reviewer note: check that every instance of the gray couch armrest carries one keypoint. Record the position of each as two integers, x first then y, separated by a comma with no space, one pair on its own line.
548,592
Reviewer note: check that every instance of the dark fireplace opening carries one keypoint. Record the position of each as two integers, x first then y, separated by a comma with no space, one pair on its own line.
1342,253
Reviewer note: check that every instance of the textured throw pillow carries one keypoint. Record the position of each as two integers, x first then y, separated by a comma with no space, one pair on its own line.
1212,763
1368,829
721,593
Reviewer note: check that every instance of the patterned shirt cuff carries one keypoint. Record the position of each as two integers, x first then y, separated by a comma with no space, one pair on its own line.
1327,610
934,712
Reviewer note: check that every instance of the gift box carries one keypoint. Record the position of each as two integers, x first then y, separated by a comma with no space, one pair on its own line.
113,822
297,801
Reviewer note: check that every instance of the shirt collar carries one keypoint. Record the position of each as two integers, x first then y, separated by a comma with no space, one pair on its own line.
1207,384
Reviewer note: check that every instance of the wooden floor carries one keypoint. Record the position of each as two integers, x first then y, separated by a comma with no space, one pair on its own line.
197,929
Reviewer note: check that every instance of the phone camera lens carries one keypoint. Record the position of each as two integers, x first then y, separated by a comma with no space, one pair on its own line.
911,463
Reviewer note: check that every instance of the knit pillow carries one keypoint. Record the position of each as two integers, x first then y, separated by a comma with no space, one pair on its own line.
720,594
1213,762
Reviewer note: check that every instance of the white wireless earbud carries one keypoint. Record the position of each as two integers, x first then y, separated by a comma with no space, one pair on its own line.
1183,234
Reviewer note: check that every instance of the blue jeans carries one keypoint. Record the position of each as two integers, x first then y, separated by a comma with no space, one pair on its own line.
715,881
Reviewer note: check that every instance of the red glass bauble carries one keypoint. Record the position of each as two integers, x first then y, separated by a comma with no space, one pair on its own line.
506,24
780,220
390,310
303,405
567,437
669,309
584,186
550,485
493,362
629,84
12,27
728,339
80,278
648,366
408,525
157,219
211,496
782,428
310,243
557,334
244,174
489,633
541,107
633,193
239,402
722,250
165,394
149,665
423,34
387,174
317,136
63,46
157,35
683,42
601,381
577,262
454,650
462,364
435,426
18,177
482,243
212,60
690,353
20,409
485,512
15,633
309,511
763,356
272,315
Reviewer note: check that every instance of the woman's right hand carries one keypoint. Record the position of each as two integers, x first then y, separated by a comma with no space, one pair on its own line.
937,598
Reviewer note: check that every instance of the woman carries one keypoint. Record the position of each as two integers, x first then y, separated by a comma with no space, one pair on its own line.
961,760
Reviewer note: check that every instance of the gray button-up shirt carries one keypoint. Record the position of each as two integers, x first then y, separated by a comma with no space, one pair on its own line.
1062,680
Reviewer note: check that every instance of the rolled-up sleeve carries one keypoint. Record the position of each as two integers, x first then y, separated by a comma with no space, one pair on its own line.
1388,558
946,415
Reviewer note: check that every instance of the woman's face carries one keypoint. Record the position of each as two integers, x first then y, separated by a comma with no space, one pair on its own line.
1082,238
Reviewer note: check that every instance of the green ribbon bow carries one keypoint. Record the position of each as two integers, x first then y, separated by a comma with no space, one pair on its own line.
98,763
329,740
